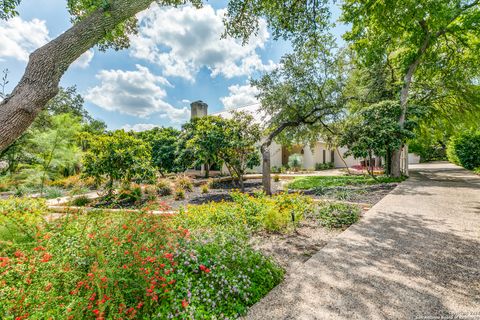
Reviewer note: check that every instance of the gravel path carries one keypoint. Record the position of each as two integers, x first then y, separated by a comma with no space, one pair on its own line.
414,255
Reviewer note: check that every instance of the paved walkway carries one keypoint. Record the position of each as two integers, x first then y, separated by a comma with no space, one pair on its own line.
414,255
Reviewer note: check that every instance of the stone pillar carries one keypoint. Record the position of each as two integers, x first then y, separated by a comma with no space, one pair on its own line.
198,109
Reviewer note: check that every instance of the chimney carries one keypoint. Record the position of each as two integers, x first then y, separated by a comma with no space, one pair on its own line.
199,109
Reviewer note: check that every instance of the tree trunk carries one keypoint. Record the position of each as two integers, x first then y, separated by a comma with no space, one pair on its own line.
407,81
207,170
47,65
343,160
242,185
266,179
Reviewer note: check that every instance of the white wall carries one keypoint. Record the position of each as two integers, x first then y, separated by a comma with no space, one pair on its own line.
413,158
351,161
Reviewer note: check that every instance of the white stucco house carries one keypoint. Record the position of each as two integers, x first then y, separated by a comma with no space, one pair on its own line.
312,155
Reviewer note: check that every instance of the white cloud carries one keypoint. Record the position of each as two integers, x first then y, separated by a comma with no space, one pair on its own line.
18,38
239,96
138,93
185,39
84,60
138,127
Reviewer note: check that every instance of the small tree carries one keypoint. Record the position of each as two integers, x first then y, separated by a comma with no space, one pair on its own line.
56,147
240,151
374,131
163,142
118,156
200,141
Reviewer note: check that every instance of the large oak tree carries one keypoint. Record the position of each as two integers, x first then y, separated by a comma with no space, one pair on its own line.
107,23
430,44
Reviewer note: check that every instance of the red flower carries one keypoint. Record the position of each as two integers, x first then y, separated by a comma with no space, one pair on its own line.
184,303
202,267
46,257
207,270
96,311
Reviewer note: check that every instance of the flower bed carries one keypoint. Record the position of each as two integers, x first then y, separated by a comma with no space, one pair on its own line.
123,266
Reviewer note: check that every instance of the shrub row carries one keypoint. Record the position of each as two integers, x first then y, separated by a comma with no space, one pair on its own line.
464,150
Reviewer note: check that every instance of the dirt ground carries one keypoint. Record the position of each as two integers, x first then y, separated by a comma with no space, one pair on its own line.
221,191
292,250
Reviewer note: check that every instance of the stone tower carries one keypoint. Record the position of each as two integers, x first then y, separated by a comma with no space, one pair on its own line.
198,109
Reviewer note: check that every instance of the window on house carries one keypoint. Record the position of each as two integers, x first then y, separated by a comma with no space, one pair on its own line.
332,156
324,156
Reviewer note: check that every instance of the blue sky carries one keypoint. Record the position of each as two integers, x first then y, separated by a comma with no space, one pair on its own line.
177,58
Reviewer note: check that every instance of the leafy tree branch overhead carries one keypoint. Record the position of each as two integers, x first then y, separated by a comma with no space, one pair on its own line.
107,24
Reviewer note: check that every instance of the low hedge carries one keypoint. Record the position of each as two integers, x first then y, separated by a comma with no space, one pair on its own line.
464,149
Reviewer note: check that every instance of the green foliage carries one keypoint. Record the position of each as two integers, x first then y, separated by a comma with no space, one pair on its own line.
276,178
337,215
8,9
375,131
299,21
413,41
200,141
225,276
56,147
279,213
295,161
239,151
204,188
129,265
164,187
131,194
179,193
184,182
163,142
118,156
19,218
302,95
324,166
81,201
464,149
304,183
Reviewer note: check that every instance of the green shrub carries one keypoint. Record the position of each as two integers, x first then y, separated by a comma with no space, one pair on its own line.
52,192
81,201
464,150
225,277
129,194
324,166
19,218
295,161
275,169
204,188
279,213
179,194
164,187
184,182
477,170
150,192
276,178
338,215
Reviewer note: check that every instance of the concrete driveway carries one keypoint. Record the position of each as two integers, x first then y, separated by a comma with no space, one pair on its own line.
414,255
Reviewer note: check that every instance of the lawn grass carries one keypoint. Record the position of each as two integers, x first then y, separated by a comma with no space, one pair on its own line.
305,183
